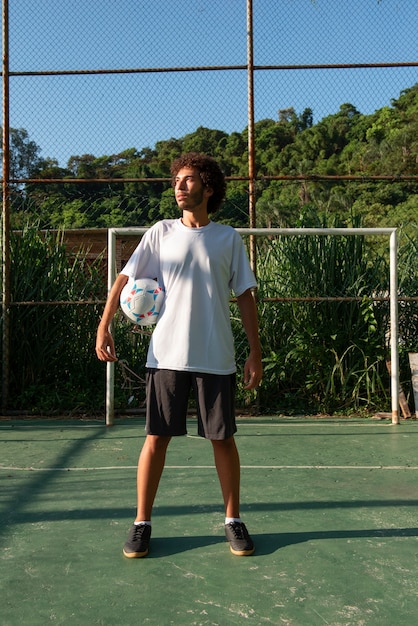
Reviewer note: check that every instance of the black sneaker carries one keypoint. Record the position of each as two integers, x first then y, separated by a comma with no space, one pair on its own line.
137,544
240,542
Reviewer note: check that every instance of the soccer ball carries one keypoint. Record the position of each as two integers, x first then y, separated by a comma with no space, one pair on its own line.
141,300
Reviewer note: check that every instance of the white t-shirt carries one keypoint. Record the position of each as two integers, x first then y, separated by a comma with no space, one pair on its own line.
198,268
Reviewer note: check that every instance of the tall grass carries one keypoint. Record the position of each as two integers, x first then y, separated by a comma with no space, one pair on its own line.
51,362
328,355
408,311
53,366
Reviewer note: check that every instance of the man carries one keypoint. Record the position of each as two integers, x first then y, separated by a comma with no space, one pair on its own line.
198,262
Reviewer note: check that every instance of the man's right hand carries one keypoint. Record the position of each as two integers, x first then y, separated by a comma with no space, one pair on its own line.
105,347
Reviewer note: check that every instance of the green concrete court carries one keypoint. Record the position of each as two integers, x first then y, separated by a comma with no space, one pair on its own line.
331,504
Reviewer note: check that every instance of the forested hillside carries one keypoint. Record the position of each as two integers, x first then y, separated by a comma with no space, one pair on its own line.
345,143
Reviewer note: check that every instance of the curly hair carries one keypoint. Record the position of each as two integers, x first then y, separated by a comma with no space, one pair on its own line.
210,173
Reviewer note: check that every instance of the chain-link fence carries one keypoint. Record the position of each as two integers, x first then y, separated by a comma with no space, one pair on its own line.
100,78
302,101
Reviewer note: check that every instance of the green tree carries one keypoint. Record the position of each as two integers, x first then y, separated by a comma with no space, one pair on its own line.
25,160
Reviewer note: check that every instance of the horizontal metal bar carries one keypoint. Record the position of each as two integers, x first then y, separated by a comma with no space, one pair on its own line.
272,299
133,70
337,299
260,177
337,177
335,66
57,303
316,231
212,68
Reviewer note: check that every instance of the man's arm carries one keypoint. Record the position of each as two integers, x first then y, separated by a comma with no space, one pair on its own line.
105,347
253,368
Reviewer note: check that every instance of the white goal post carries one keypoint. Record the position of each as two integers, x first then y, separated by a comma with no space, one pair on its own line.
393,294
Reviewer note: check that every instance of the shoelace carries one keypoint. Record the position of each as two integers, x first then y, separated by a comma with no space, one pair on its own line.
238,531
139,529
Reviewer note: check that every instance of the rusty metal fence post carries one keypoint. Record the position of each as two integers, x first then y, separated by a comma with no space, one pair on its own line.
251,136
5,239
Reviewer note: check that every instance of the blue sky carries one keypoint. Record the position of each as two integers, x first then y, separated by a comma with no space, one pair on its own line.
74,115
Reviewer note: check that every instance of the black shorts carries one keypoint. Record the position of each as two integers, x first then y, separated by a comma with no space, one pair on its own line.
168,394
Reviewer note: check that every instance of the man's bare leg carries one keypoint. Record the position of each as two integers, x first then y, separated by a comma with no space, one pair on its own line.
150,468
227,464
228,467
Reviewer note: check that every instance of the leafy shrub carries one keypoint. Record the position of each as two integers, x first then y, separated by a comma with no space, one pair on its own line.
326,355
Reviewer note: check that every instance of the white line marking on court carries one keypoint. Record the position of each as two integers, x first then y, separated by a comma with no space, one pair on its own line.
211,467
241,421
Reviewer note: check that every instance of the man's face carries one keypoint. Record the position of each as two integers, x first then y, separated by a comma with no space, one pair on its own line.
189,190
